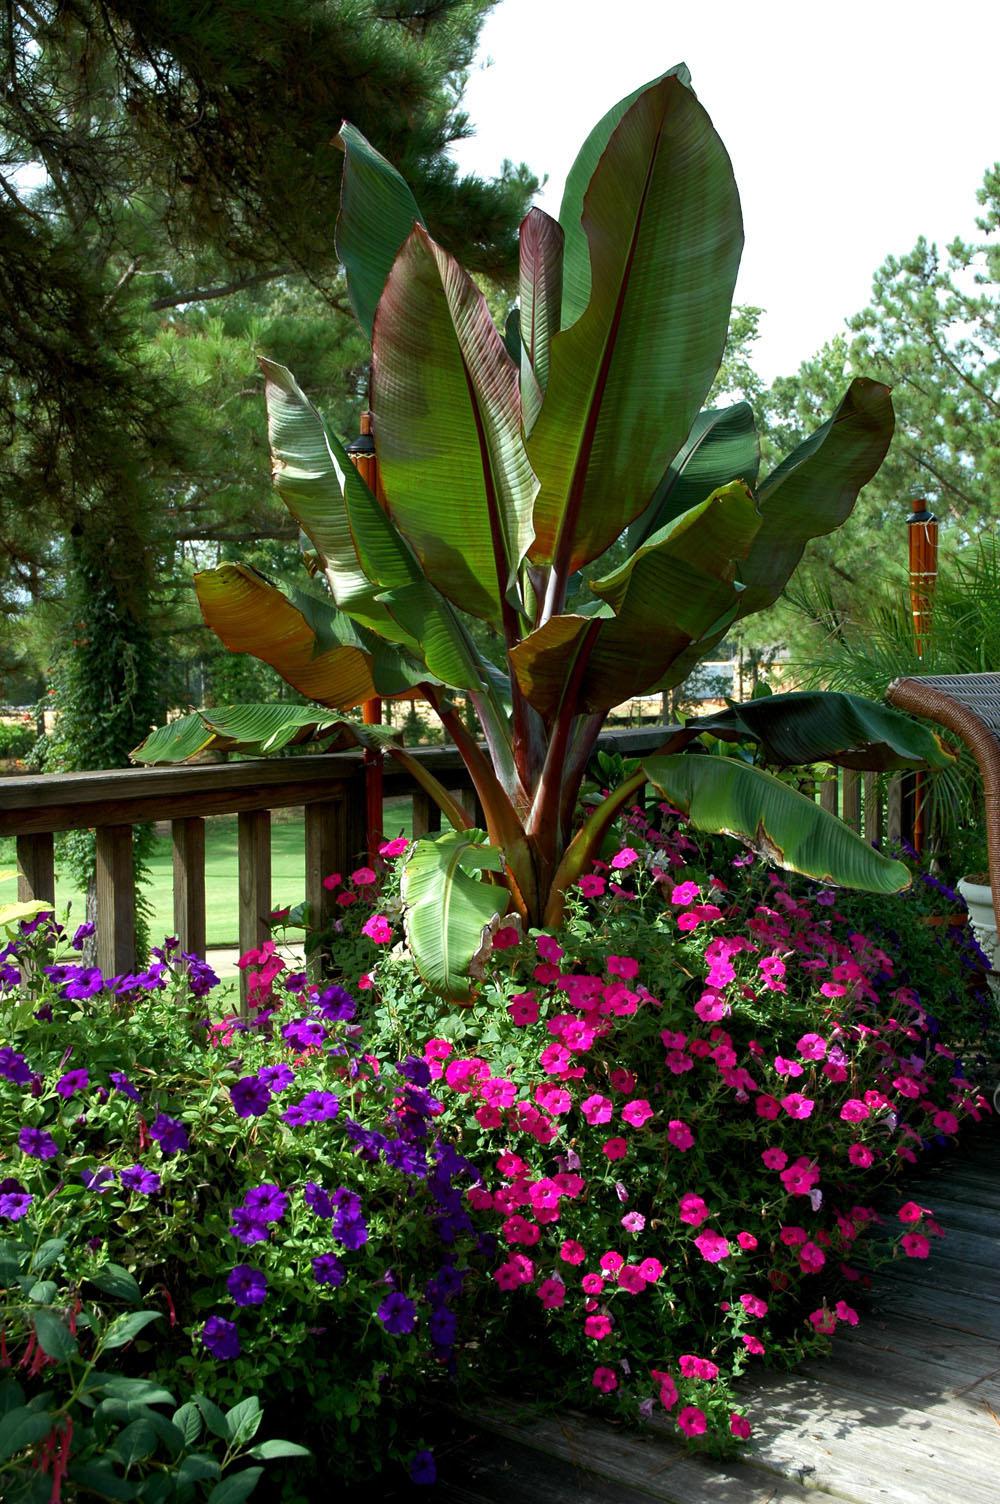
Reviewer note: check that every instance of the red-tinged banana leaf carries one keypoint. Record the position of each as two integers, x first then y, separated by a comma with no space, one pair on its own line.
667,595
448,911
540,299
448,428
576,261
721,447
316,649
815,487
377,212
804,727
313,474
725,796
627,380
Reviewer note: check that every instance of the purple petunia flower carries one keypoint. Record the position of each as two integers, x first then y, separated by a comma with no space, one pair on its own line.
352,1232
336,1005
316,1198
138,1178
83,932
201,977
72,1082
247,1286
29,926
169,1134
247,1227
315,1107
442,1326
14,1204
37,1143
398,1314
307,1033
86,982
250,1097
415,1070
221,1337
268,1202
121,1083
98,1180
14,1067
276,1077
423,1468
328,1270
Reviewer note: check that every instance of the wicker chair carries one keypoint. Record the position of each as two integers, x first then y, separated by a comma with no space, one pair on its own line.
969,706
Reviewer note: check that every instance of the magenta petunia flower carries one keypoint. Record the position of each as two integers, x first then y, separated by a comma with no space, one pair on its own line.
692,1209
597,1109
552,1293
637,1112
692,1421
680,1135
598,1327
797,1106
605,1379
615,1148
378,929
712,1246
915,1245
740,1427
591,886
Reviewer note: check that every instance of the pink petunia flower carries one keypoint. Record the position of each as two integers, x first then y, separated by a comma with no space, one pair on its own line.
747,1241
637,1112
651,1270
615,1148
624,858
364,877
692,1421
753,1344
377,928
797,1106
740,1427
693,1210
598,1326
572,1252
597,1109
605,1379
680,1135
623,966
552,1294
712,1246
915,1245
591,886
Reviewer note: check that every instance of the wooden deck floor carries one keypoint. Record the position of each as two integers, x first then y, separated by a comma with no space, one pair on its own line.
907,1411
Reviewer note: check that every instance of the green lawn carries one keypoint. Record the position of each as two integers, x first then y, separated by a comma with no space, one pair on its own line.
287,871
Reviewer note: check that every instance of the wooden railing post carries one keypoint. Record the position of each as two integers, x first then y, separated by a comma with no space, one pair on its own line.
426,815
828,792
254,855
895,810
36,872
851,799
324,856
189,883
873,809
115,900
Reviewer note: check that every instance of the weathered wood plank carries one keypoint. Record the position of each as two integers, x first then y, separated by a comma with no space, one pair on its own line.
36,872
894,810
850,801
323,846
873,808
115,900
188,841
254,861
828,792
426,814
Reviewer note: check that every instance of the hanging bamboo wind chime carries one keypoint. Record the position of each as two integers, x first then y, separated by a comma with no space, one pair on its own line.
922,530
362,454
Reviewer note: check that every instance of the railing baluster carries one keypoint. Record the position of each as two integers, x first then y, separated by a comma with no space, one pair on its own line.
895,810
36,872
828,792
873,808
851,802
189,883
115,900
324,855
254,847
426,814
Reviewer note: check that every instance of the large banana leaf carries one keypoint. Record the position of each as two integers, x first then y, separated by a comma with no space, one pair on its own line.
377,212
448,427
539,297
728,797
721,447
576,261
254,729
627,380
448,910
316,649
815,487
804,727
671,591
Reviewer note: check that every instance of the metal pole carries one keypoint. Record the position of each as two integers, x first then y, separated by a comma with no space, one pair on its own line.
362,454
922,530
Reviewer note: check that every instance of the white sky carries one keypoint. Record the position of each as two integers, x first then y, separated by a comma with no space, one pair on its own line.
853,127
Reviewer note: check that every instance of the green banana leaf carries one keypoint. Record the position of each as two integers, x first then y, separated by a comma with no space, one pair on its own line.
377,213
448,427
721,447
815,487
448,910
254,729
539,297
576,259
803,727
317,650
672,590
627,379
722,795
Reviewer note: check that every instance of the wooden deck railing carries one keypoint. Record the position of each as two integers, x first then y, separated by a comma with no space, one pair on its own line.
330,788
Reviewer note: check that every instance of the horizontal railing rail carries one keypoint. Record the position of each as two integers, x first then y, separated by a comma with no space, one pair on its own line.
329,786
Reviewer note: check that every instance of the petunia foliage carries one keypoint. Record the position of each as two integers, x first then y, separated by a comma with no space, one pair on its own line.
509,463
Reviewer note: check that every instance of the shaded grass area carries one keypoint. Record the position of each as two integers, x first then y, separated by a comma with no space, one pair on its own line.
221,889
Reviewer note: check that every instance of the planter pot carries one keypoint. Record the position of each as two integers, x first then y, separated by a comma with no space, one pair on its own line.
979,898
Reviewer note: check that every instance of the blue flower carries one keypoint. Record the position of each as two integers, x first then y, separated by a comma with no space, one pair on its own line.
170,1135
138,1178
37,1143
423,1468
98,1180
327,1269
250,1097
221,1337
398,1314
247,1227
317,1199
268,1202
336,1004
13,1066
276,1077
121,1083
72,1082
14,1204
247,1286
84,932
